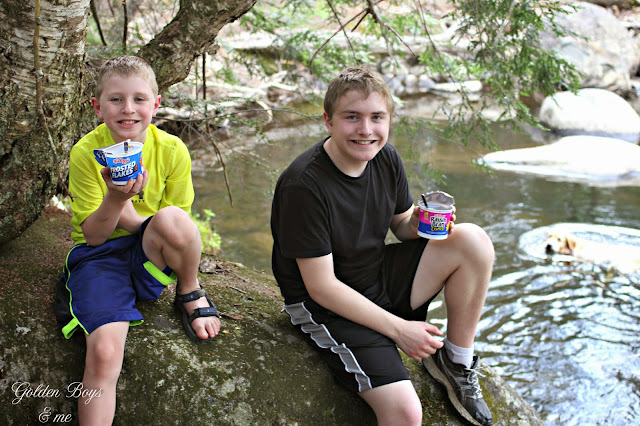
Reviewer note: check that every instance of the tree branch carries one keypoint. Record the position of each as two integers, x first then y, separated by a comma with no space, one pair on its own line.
204,79
369,10
383,27
192,31
342,28
224,166
125,26
346,36
96,18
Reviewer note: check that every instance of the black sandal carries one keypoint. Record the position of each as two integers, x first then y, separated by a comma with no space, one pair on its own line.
187,319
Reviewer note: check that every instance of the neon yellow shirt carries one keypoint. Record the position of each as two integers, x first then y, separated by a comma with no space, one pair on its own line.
165,157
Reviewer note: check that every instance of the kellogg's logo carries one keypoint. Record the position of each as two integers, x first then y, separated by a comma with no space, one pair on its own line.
121,160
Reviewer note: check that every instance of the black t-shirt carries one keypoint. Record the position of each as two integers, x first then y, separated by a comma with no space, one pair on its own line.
318,210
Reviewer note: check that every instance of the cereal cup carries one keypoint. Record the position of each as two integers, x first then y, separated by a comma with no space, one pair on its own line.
435,215
123,160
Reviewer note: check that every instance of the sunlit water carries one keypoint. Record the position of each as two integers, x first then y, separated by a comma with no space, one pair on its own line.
566,336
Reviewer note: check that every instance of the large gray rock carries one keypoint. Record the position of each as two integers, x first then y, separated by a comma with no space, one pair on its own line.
603,49
595,112
593,160
258,371
609,3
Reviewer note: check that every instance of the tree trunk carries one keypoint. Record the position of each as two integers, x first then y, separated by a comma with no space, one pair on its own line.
192,32
40,105
45,89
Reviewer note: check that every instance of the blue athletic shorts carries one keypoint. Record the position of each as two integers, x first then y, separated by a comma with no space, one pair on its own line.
361,358
104,283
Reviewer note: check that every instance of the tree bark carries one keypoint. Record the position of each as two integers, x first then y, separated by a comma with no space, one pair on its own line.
45,89
41,102
192,32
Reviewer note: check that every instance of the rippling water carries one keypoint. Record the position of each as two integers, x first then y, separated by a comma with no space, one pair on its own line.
566,336
567,339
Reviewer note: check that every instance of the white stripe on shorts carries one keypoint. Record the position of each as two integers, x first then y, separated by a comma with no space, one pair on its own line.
319,333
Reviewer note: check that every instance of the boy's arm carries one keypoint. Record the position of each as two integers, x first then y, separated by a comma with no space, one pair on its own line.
178,190
116,210
413,337
130,219
405,225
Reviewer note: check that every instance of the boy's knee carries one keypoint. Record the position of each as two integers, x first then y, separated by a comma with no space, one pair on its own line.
106,356
476,239
173,215
412,414
175,222
396,403
407,413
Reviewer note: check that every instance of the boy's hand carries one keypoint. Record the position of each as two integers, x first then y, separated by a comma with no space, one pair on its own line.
415,219
416,339
453,218
132,188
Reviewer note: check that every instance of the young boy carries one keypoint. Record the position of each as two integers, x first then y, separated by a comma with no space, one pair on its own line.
356,299
131,240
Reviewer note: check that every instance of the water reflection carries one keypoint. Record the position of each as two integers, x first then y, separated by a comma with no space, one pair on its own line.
564,335
567,339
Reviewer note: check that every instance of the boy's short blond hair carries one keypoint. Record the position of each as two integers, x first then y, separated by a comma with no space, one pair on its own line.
126,66
360,78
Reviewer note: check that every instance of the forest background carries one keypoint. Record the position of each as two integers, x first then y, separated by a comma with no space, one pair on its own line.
214,83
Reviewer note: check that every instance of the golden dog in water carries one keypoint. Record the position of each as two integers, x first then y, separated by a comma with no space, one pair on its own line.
625,258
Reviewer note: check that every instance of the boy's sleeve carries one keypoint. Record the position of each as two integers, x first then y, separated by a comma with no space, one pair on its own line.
85,185
303,224
179,184
404,199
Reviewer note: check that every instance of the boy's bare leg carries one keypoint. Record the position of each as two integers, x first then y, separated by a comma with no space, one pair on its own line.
463,263
395,404
103,362
173,239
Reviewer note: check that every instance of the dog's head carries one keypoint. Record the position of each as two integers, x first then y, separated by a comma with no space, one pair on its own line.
560,243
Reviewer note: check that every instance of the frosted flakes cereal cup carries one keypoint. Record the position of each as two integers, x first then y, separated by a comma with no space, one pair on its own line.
435,215
123,160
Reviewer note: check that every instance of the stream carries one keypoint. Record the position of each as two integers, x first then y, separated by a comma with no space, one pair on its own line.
565,335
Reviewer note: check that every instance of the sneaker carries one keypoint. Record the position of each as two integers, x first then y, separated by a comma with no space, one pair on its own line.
462,386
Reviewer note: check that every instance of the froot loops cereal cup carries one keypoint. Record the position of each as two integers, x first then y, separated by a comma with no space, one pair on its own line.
435,215
123,160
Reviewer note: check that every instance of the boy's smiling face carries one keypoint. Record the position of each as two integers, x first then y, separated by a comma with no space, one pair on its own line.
126,105
359,129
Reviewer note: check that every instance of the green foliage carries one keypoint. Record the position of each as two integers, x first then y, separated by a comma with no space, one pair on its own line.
270,15
504,49
322,37
506,53
325,36
211,240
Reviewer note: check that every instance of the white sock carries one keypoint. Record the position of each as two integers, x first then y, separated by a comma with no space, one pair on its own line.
459,355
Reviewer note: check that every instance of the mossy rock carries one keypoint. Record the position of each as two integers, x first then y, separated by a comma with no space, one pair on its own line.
257,371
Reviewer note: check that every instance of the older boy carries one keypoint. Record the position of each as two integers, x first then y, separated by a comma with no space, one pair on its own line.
131,240
356,299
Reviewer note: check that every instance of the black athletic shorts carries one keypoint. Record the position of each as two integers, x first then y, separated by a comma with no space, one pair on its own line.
359,357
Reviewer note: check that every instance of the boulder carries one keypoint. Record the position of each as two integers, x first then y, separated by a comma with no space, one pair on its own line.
257,371
596,112
468,87
602,49
591,159
609,3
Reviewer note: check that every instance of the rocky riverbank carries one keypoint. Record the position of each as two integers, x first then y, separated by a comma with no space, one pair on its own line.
257,371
